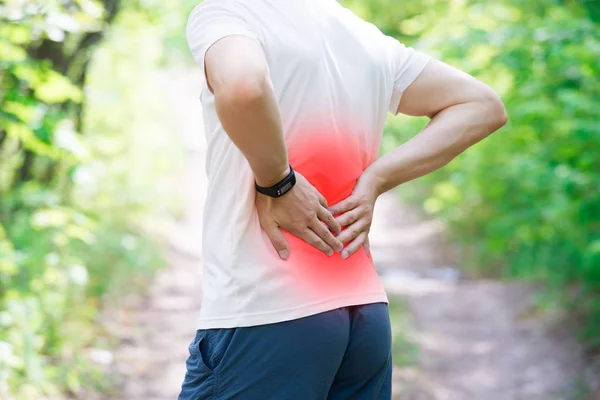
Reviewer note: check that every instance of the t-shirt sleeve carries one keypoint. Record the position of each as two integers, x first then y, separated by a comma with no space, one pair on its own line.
405,64
211,21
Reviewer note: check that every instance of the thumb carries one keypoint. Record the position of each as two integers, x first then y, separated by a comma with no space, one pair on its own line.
278,241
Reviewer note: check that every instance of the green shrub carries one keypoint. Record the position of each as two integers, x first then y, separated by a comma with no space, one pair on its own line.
526,201
74,206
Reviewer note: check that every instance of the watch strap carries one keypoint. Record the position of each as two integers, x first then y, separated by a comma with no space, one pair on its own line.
280,188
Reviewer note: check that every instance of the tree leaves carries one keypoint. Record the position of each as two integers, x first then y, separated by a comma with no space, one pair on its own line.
56,88
529,194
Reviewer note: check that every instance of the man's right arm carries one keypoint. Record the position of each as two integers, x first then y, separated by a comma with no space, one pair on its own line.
237,74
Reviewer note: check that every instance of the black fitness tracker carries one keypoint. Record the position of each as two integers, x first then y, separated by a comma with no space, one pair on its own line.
280,188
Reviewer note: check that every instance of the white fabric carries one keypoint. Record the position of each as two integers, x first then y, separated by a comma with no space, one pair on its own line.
335,77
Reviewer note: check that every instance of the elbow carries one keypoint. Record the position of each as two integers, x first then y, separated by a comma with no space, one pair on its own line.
244,88
495,112
489,115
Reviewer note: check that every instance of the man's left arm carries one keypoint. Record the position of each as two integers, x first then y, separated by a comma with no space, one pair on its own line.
463,111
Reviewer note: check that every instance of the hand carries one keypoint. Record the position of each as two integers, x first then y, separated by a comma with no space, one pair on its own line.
300,212
355,213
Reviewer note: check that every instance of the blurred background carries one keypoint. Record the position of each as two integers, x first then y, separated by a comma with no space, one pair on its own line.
492,263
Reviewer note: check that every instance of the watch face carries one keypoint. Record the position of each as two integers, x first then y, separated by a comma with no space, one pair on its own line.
285,188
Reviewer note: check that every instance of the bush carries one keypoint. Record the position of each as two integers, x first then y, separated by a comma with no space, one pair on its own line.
526,201
73,206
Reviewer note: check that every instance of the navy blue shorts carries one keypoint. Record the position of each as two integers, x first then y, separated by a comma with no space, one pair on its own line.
336,355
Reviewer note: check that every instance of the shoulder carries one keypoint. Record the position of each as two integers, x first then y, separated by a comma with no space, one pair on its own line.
208,15
210,9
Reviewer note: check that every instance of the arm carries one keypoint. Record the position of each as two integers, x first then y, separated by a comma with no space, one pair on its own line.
246,105
247,108
463,111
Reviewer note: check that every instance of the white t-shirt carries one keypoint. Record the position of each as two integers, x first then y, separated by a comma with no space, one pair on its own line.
335,77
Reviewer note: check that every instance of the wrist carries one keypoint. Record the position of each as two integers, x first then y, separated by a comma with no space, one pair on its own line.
271,179
280,188
374,182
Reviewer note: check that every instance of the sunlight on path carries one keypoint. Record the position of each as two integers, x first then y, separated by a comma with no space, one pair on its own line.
162,326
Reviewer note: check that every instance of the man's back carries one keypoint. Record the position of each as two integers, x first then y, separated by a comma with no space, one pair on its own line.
335,78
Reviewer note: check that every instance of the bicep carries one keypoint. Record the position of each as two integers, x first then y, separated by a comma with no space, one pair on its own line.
438,87
233,58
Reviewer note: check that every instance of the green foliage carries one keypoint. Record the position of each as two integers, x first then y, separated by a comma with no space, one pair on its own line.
526,201
74,208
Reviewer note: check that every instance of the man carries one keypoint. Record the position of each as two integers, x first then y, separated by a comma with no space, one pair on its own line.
295,97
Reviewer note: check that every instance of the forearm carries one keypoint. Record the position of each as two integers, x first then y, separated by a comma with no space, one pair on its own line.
449,133
250,115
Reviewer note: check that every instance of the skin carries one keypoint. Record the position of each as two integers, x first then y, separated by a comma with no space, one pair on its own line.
462,111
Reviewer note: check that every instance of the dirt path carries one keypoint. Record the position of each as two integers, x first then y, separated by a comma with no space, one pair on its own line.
474,343
475,339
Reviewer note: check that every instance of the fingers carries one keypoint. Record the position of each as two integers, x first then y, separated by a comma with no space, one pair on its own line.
278,241
367,246
352,231
345,205
328,219
349,217
356,244
322,200
314,240
325,235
